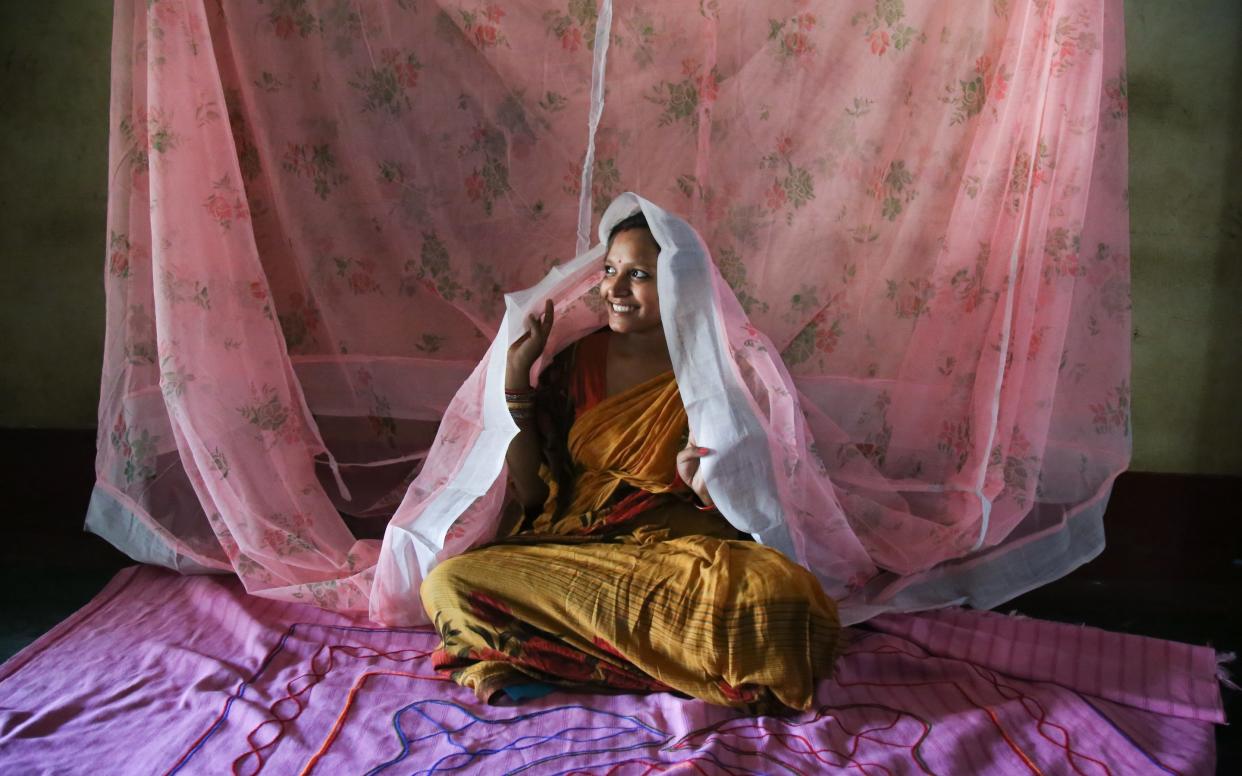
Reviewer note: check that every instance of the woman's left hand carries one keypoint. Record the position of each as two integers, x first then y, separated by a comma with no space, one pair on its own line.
691,472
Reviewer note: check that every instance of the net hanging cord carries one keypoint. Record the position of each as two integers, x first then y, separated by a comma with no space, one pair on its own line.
603,33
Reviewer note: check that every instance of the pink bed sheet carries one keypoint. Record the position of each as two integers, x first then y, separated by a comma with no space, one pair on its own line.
168,674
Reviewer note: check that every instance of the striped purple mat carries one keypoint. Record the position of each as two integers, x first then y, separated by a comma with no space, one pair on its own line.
169,674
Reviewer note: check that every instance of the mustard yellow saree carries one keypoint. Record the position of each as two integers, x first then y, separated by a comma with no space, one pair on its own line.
631,587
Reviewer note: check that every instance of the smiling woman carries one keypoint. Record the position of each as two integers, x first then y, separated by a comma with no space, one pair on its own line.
619,572
629,285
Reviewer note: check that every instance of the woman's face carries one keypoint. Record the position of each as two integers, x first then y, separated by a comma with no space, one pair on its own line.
629,284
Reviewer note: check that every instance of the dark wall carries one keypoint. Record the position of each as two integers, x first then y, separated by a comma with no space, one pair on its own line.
54,59
1185,74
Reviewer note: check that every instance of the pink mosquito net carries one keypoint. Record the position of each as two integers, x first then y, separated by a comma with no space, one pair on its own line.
894,276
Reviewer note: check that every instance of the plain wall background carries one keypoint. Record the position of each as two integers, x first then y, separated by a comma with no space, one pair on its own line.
1185,91
54,62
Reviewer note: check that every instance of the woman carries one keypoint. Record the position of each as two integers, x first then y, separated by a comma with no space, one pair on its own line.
626,577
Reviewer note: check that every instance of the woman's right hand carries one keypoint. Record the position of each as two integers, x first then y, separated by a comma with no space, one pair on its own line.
690,471
526,351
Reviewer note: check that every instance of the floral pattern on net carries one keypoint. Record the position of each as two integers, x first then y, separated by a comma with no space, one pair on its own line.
136,448
809,339
328,594
490,296
967,284
970,94
573,27
717,206
299,323
288,534
247,568
1036,342
140,349
291,17
876,432
823,333
219,462
1112,415
356,275
142,133
893,187
1062,247
482,25
885,27
956,442
174,376
1073,39
207,110
911,297
160,135
1019,467
792,187
270,416
163,15
387,88
640,36
257,293
225,205
137,145
177,288
1117,91
121,255
1029,171
605,182
341,26
316,163
680,100
433,271
733,269
1108,274
791,37
380,419
490,179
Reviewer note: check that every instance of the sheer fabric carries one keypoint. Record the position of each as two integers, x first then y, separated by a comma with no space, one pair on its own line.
914,318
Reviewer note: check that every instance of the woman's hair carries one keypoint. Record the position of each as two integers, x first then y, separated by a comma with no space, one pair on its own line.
635,221
554,415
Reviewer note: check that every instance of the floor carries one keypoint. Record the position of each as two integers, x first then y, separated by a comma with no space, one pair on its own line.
1173,568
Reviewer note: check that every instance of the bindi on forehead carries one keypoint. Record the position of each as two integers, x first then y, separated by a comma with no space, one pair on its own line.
641,250
629,260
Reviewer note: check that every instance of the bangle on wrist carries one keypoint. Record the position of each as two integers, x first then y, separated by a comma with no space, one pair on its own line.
697,501
521,404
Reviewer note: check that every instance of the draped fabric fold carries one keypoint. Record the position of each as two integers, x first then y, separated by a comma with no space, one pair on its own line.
898,278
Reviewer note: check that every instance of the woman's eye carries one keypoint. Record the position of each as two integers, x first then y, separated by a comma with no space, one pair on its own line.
609,271
638,274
